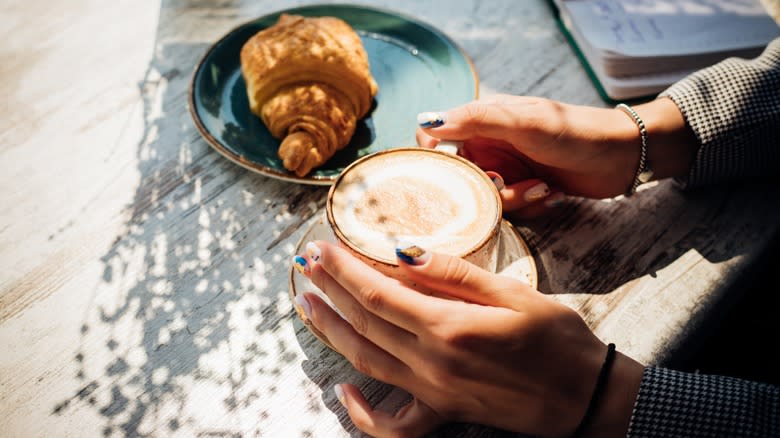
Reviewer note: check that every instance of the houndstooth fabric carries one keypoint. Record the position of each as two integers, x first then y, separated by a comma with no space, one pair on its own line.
733,108
677,404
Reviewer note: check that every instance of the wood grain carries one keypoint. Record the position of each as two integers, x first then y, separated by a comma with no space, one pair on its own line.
144,277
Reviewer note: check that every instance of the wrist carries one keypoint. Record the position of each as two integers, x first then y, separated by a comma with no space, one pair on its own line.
613,142
671,145
613,413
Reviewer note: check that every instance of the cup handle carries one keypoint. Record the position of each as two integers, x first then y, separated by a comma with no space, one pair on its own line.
449,146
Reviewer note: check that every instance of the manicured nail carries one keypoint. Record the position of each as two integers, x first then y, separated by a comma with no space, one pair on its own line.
301,265
497,180
450,146
313,251
555,200
431,119
340,394
302,306
537,192
411,254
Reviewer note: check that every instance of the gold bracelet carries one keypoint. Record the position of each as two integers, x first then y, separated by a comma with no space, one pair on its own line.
643,173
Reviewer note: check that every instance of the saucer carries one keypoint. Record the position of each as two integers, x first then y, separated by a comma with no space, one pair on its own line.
514,260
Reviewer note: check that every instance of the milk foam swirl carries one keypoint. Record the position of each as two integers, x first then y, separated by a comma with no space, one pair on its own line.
432,200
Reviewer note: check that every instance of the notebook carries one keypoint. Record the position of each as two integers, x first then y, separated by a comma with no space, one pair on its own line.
637,48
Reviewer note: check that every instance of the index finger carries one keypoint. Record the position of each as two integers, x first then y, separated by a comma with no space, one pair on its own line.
385,297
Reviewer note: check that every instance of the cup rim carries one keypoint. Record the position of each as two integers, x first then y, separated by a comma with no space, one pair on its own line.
341,237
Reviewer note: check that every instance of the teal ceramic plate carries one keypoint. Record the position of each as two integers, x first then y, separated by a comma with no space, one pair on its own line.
417,67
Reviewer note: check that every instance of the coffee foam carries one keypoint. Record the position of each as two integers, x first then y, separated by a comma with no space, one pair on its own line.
435,202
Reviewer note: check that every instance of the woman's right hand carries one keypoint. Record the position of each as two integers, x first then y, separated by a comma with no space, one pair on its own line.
536,143
467,344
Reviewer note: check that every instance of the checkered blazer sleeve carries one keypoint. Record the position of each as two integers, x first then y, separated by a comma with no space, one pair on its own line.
677,404
733,108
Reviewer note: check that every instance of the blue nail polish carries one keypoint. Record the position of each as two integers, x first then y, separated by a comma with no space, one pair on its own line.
497,180
430,119
412,254
301,265
555,200
313,251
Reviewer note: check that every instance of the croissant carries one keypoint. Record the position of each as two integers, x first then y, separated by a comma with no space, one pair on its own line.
308,79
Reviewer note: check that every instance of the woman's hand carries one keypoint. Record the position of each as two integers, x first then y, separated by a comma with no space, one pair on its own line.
476,347
542,147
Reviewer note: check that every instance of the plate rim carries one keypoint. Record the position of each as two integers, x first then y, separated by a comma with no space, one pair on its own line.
273,172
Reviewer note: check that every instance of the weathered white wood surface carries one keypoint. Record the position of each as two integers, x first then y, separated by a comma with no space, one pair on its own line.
143,277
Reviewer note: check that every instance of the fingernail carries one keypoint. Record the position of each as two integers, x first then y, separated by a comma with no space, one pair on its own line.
340,394
497,180
411,254
431,119
313,251
302,306
555,200
450,146
537,192
301,265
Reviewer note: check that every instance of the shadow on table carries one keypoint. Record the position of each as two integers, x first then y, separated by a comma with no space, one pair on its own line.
741,344
185,300
594,247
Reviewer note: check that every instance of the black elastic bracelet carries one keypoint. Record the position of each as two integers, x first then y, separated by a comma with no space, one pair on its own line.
601,381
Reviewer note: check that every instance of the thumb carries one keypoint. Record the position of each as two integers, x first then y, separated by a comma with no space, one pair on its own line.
455,277
474,119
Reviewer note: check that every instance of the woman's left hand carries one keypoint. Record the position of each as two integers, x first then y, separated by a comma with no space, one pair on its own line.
475,347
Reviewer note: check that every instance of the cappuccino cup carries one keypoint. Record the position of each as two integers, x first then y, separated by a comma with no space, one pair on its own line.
432,199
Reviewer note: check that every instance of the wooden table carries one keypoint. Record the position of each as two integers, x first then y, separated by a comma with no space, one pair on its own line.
143,288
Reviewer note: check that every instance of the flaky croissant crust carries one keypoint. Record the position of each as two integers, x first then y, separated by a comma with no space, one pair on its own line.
309,80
